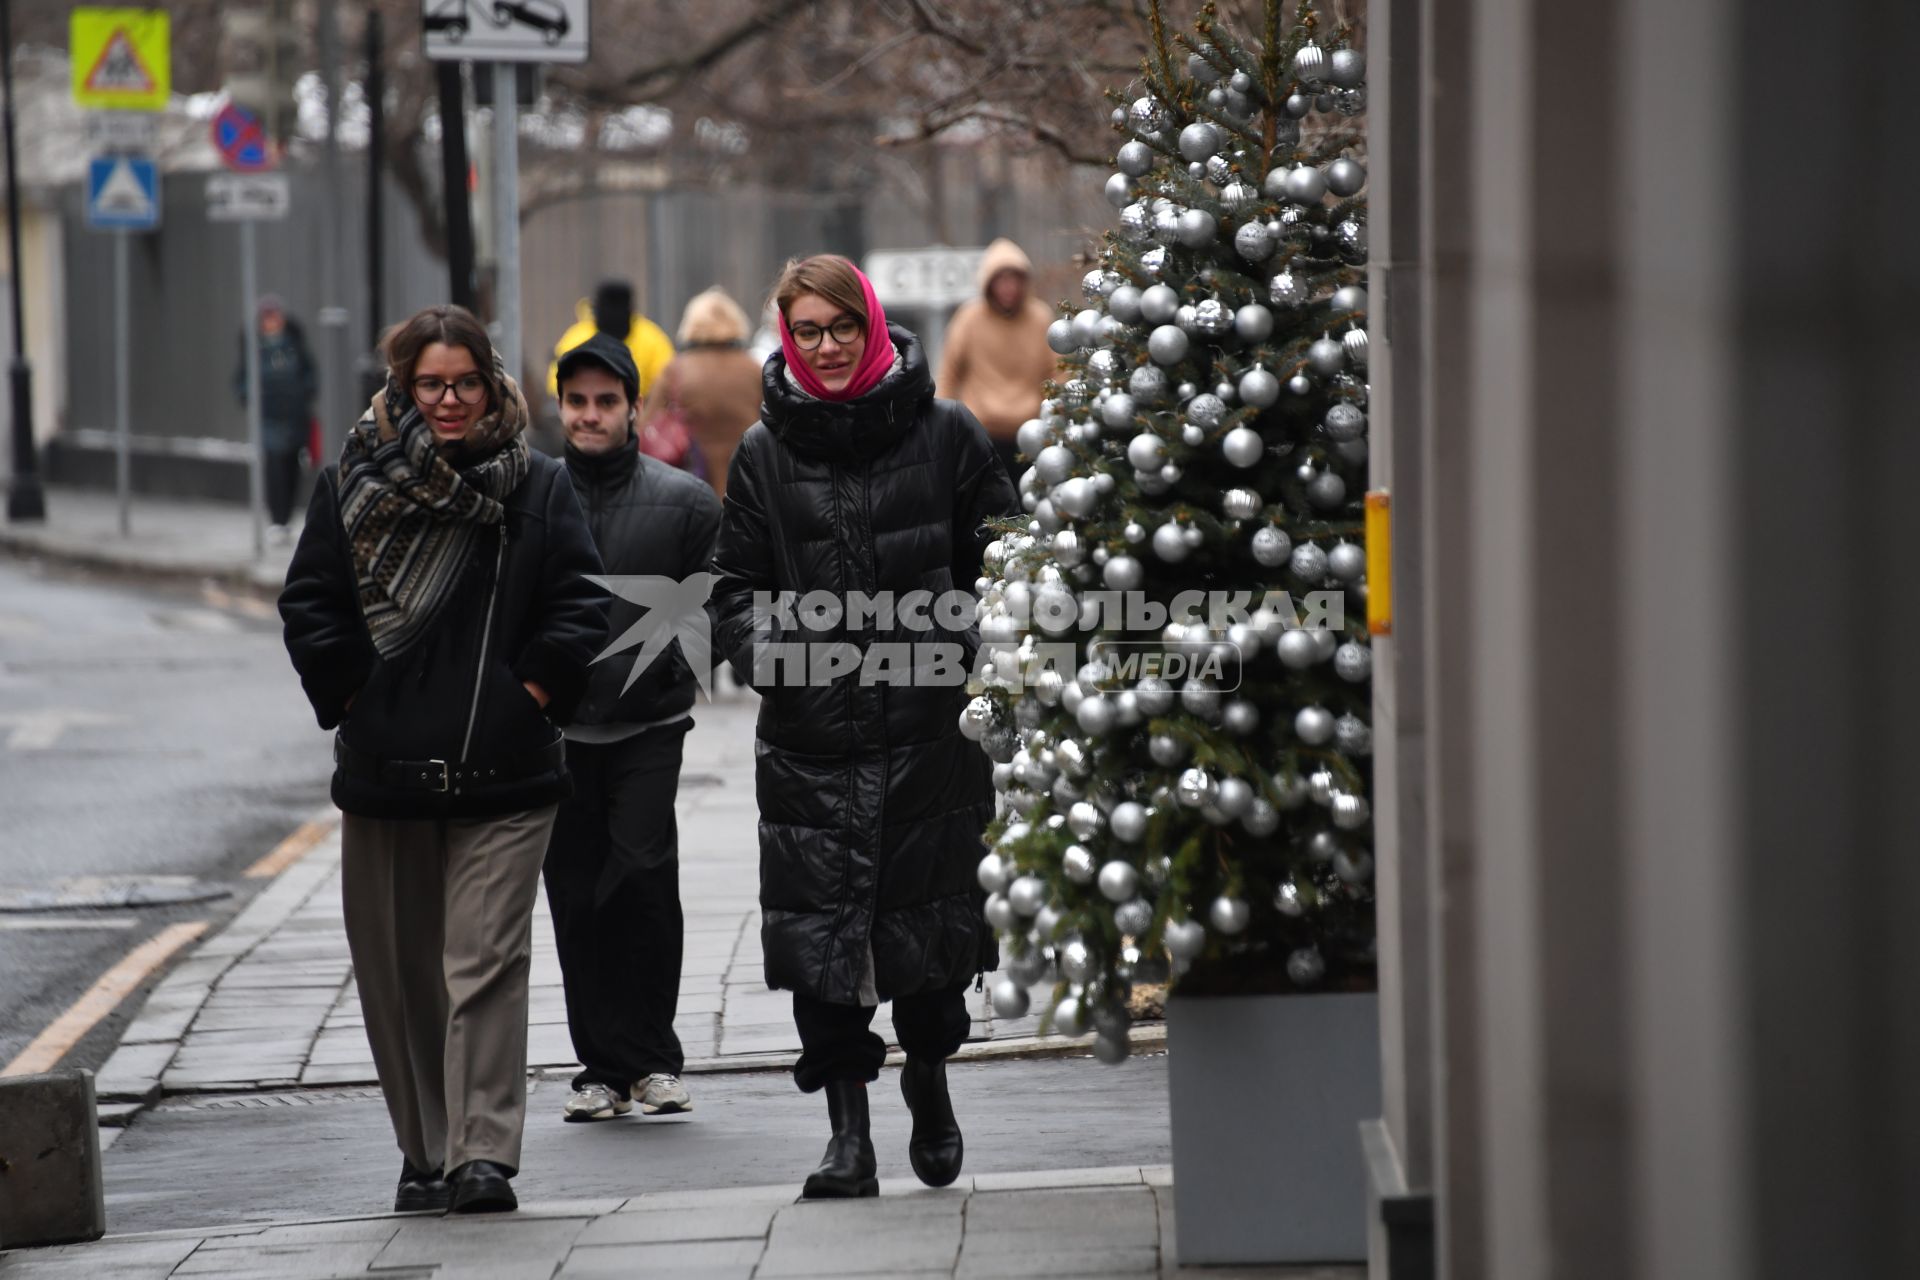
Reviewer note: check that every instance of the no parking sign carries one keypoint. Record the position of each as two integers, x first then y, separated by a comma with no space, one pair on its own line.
241,139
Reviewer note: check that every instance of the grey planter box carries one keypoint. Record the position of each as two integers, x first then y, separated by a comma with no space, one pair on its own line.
1268,1096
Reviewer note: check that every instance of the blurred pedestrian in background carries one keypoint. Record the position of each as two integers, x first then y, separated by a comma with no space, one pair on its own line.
996,360
288,384
611,312
613,864
438,612
711,390
871,803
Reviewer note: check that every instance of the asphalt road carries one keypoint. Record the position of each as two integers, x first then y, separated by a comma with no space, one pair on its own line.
201,1162
144,731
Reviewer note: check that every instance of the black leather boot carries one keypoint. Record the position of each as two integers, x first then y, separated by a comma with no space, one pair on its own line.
420,1192
849,1166
482,1186
936,1147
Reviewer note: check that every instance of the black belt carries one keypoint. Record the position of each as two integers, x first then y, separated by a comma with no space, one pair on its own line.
447,775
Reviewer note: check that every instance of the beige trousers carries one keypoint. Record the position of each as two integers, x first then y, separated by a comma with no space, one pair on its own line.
440,922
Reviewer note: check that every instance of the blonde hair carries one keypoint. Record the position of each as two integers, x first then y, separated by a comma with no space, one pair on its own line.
712,319
827,274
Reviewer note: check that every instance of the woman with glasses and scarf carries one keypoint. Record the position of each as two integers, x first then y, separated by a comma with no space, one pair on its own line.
857,482
438,612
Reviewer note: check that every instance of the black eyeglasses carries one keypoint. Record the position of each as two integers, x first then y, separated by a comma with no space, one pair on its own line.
471,389
844,330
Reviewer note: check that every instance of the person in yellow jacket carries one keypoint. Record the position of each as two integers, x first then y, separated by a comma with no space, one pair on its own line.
611,312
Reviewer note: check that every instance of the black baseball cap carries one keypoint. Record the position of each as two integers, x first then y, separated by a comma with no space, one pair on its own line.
610,354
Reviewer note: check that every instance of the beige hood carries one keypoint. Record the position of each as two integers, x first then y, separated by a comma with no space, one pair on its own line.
1002,255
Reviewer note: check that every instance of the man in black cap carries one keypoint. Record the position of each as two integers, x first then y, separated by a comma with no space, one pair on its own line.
613,865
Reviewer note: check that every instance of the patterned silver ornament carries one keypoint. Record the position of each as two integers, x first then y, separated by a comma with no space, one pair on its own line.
1118,881
1352,735
1135,158
1168,345
1148,384
1201,699
1159,304
1327,491
1272,547
1184,317
1169,544
1238,196
1259,388
1347,68
1104,364
1347,561
1314,726
1253,322
1326,357
1353,662
1350,812
1136,222
1352,235
1154,695
1133,918
1119,191
1166,221
1218,170
1345,422
1243,447
1240,504
1320,790
1211,317
1048,686
1253,242
1148,115
1309,64
1287,901
1010,999
1060,337
1306,968
1195,788
1206,410
1128,822
1077,864
1229,915
1154,260
1076,962
1261,819
1345,177
1199,140
1287,290
1355,342
976,718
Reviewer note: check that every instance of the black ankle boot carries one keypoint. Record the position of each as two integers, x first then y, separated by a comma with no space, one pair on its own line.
848,1169
420,1192
936,1147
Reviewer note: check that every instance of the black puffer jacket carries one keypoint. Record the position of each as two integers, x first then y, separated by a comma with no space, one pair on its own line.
648,520
871,803
548,624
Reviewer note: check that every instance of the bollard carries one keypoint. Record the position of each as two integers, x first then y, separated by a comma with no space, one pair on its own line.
50,1186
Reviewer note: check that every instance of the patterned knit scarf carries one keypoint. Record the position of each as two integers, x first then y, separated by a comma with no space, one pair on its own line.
413,516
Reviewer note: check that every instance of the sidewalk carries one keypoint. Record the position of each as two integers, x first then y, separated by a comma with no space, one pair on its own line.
176,538
1084,1222
270,1004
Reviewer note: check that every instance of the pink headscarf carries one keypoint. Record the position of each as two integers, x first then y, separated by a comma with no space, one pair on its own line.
874,363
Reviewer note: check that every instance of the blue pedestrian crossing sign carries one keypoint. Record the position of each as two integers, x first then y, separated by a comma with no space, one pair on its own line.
123,193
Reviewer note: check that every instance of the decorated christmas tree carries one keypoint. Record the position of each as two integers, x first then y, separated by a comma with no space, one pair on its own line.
1187,799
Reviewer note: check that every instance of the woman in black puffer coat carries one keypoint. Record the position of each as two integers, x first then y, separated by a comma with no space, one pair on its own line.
857,483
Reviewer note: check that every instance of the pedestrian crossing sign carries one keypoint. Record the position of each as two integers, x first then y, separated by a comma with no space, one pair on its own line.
121,58
123,193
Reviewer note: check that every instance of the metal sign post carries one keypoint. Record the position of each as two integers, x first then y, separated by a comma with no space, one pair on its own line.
256,474
122,363
123,196
506,215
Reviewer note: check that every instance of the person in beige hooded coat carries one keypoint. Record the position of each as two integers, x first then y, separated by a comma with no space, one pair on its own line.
996,359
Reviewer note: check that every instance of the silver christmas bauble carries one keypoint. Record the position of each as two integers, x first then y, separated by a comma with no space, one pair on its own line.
1148,384
1352,735
1199,69
1147,452
1076,962
1166,222
1352,235
1287,290
1240,504
1060,337
1327,491
1259,388
1118,880
976,718
1199,140
1027,895
1355,344
1185,939
1169,544
1196,229
1320,791
1134,533
1154,695
1031,439
1103,364
1292,789
1069,754
1184,317
1206,410
1306,967
1345,422
1054,464
1299,104
1135,158
1353,662
1168,345
1086,329
1126,709
1123,573
1070,1017
1296,650
1077,864
1345,177
1326,357
1253,323
1212,318
1350,812
1309,563
1253,242
1027,968
1352,452
1347,561
1261,819
1234,797
1148,115
1218,170
1047,686
994,873
1078,497
1300,384
1314,726
1111,1051
1347,299
1195,788
1229,915
1128,822
1118,410
1271,547
1154,261
1355,866
1119,190
1243,447
1094,715
1274,187
1200,698
1002,776
1240,717
1133,918
1159,304
1166,750
1347,68
1238,196
1309,64
1192,436
1136,222
1306,184
1287,901
999,912
1010,999
1046,925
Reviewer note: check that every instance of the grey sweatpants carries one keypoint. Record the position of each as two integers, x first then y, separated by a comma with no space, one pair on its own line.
440,923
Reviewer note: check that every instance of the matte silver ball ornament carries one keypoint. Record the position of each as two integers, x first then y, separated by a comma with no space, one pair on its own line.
1128,822
1134,533
1355,866
1261,819
1154,696
1306,184
1135,158
1118,881
1347,68
1123,304
1253,323
1345,421
1345,177
1243,447
1168,345
1327,491
1229,915
1259,388
1196,229
1199,140
1314,726
1027,895
1054,464
1111,1051
1169,544
1166,750
1347,299
1299,104
1353,662
1300,384
1123,573
1118,411
1094,715
1086,331
1159,304
1309,563
1326,357
1347,561
1070,1017
1234,797
1147,452
1010,999
1193,436
1119,190
1306,967
1078,497
1060,337
994,873
1076,962
1185,939
999,912
1296,650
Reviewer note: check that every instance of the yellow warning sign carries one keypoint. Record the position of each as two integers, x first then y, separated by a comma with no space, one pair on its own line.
122,58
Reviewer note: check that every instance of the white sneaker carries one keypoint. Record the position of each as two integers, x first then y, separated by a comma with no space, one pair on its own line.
596,1102
663,1095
